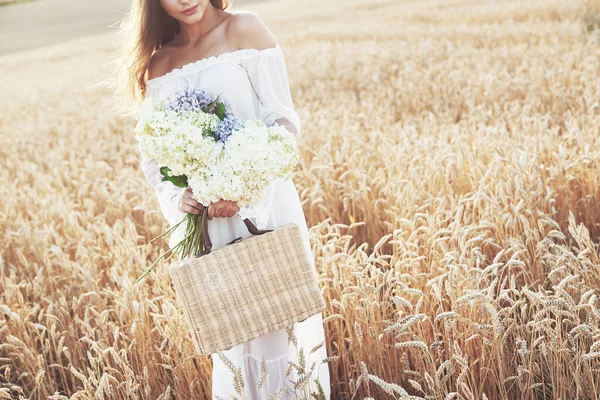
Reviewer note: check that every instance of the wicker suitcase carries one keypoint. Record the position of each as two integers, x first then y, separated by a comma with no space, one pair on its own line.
248,288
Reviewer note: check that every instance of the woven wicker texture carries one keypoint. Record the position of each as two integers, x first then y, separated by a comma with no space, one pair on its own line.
247,289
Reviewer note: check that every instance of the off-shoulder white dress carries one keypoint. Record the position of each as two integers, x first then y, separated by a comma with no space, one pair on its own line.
255,83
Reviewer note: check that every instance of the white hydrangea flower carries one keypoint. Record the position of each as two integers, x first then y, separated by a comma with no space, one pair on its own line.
239,169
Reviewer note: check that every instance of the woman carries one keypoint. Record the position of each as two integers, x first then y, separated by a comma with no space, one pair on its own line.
182,43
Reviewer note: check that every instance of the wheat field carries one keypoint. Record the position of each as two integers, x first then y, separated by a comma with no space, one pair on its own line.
450,179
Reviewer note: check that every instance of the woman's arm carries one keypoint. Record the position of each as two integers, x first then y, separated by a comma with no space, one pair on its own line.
268,75
169,196
167,193
267,71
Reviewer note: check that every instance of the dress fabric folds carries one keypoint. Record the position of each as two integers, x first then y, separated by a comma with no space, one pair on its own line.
255,84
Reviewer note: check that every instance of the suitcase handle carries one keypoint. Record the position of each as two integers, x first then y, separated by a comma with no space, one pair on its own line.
206,238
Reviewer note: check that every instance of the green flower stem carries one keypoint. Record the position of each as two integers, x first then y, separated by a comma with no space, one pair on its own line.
190,245
170,230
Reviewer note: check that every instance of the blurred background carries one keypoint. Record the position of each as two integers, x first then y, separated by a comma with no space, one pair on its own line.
35,23
28,24
450,179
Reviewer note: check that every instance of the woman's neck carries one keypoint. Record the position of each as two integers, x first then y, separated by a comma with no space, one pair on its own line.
191,34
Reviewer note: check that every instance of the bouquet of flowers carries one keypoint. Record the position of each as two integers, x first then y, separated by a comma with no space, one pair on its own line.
199,143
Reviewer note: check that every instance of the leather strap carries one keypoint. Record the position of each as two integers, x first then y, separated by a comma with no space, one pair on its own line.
206,238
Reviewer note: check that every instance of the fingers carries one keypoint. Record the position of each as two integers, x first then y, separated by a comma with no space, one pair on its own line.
233,209
229,208
188,204
222,209
192,206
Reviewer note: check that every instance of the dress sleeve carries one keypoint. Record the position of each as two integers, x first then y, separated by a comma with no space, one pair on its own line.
167,193
268,75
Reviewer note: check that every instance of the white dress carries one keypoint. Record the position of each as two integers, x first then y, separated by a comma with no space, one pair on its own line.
255,84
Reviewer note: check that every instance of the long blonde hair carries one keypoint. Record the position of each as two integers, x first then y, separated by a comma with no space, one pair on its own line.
144,29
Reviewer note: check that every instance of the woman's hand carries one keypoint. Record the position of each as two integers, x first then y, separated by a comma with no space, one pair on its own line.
188,204
223,208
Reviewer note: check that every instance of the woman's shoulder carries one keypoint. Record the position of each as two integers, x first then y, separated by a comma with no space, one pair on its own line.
249,31
159,62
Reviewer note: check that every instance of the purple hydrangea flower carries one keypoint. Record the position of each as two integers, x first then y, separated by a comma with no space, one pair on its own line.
227,126
188,99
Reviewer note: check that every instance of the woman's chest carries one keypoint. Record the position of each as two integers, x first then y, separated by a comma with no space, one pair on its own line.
229,81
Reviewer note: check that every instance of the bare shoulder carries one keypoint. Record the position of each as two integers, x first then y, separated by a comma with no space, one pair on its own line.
159,63
248,31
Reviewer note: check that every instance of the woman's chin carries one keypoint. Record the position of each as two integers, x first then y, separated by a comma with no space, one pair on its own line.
192,19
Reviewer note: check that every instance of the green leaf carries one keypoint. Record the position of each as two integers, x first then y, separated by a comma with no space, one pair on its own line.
211,104
178,180
220,111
